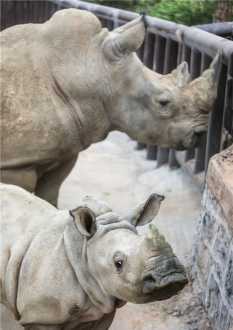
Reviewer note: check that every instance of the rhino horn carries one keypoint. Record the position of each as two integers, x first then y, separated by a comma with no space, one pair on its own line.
155,239
146,211
85,220
181,74
204,88
125,39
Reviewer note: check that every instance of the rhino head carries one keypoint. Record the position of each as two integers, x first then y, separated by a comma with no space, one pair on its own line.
167,110
126,266
102,71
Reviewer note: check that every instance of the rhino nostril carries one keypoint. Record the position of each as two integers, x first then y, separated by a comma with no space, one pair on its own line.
149,283
149,279
164,102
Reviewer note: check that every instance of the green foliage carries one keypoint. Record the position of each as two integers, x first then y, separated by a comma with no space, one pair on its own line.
123,4
189,12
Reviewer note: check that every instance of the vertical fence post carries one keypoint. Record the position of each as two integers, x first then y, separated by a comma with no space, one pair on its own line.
160,47
171,55
151,152
200,152
216,119
228,113
148,59
195,65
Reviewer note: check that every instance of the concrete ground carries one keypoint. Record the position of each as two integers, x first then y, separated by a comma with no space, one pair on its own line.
115,172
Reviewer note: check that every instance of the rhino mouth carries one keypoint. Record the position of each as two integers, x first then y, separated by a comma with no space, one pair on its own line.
119,303
166,278
170,290
195,140
166,287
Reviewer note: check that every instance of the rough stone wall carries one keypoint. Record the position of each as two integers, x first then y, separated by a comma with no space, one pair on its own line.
213,251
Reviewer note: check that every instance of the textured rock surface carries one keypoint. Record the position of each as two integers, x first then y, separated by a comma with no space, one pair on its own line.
213,253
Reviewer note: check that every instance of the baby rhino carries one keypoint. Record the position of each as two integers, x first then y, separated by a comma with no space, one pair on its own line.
63,270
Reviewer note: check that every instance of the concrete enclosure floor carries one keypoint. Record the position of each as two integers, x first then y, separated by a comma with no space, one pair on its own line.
115,172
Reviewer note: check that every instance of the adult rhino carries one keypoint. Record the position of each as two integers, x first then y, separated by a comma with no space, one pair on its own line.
64,270
68,82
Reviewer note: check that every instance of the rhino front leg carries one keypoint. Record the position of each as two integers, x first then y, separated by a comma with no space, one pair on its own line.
103,324
23,177
48,185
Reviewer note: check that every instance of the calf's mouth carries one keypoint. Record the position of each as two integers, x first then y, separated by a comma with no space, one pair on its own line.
168,286
165,280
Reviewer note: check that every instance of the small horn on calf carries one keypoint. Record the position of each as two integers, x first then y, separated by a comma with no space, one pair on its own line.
156,240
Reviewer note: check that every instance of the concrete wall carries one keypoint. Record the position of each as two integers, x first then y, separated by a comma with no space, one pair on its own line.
213,251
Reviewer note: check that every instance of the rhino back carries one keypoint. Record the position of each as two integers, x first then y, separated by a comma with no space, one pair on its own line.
35,124
21,212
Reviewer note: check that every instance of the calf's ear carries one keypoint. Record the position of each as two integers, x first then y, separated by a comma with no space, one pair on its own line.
84,220
124,39
146,211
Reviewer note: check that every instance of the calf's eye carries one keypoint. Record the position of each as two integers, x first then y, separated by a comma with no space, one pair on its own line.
119,260
118,265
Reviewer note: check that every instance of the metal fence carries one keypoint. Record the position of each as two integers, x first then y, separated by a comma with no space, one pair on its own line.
166,45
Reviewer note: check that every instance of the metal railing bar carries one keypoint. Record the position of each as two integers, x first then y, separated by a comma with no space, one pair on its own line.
172,160
148,56
195,65
207,42
186,54
162,156
171,53
192,36
200,152
159,53
228,109
148,60
216,119
221,29
152,152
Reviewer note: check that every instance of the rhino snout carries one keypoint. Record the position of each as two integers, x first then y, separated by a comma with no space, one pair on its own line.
193,141
166,279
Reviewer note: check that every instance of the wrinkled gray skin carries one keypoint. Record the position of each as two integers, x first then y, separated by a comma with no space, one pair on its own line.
68,82
64,270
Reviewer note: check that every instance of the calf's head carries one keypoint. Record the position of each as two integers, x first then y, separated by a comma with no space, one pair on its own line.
126,265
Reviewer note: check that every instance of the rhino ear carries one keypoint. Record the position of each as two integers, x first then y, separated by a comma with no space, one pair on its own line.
204,88
181,74
85,220
146,211
125,39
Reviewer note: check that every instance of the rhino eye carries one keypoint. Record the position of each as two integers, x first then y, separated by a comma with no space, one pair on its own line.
119,261
119,265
